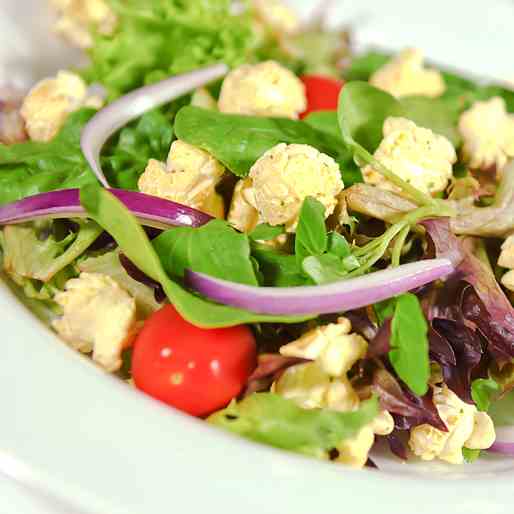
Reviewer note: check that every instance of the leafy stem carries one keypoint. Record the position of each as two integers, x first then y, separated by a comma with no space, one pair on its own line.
418,196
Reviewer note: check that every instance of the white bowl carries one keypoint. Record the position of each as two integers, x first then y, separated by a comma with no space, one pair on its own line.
82,441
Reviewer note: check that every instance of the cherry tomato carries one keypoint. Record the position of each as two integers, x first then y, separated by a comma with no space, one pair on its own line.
322,93
193,369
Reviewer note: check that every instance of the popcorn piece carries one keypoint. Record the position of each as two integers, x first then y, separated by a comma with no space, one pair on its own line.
488,133
324,382
242,214
405,75
336,349
415,154
99,316
189,177
277,15
49,103
467,428
506,260
76,17
285,175
264,89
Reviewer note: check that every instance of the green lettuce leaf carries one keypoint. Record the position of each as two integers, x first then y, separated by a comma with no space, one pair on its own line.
159,38
270,419
114,217
30,168
126,156
33,251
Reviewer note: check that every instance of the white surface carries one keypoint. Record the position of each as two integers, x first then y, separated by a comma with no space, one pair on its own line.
71,433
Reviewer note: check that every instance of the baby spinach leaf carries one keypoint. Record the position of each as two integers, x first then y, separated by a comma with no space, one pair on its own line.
324,121
265,232
126,156
363,66
324,269
271,419
278,269
239,141
434,114
409,344
362,111
117,220
327,121
311,233
215,249
482,391
384,309
30,168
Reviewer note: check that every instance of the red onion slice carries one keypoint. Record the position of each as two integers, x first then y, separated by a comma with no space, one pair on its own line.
150,210
337,297
504,443
129,107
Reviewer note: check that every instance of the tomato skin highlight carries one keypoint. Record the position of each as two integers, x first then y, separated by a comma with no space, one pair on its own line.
195,370
322,93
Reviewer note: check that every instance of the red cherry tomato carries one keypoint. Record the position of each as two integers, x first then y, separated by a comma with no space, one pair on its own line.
322,93
193,369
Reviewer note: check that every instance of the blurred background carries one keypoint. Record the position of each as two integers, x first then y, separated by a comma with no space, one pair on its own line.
470,35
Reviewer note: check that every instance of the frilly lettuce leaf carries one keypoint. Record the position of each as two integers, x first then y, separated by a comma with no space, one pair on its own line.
158,38
34,251
271,419
30,168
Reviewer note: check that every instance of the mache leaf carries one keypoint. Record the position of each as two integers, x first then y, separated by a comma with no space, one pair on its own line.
239,141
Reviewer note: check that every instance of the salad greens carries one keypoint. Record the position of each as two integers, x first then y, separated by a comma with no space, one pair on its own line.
409,343
113,217
362,112
238,141
311,235
215,249
148,43
38,255
460,92
502,410
265,232
483,391
30,168
461,327
126,157
269,418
